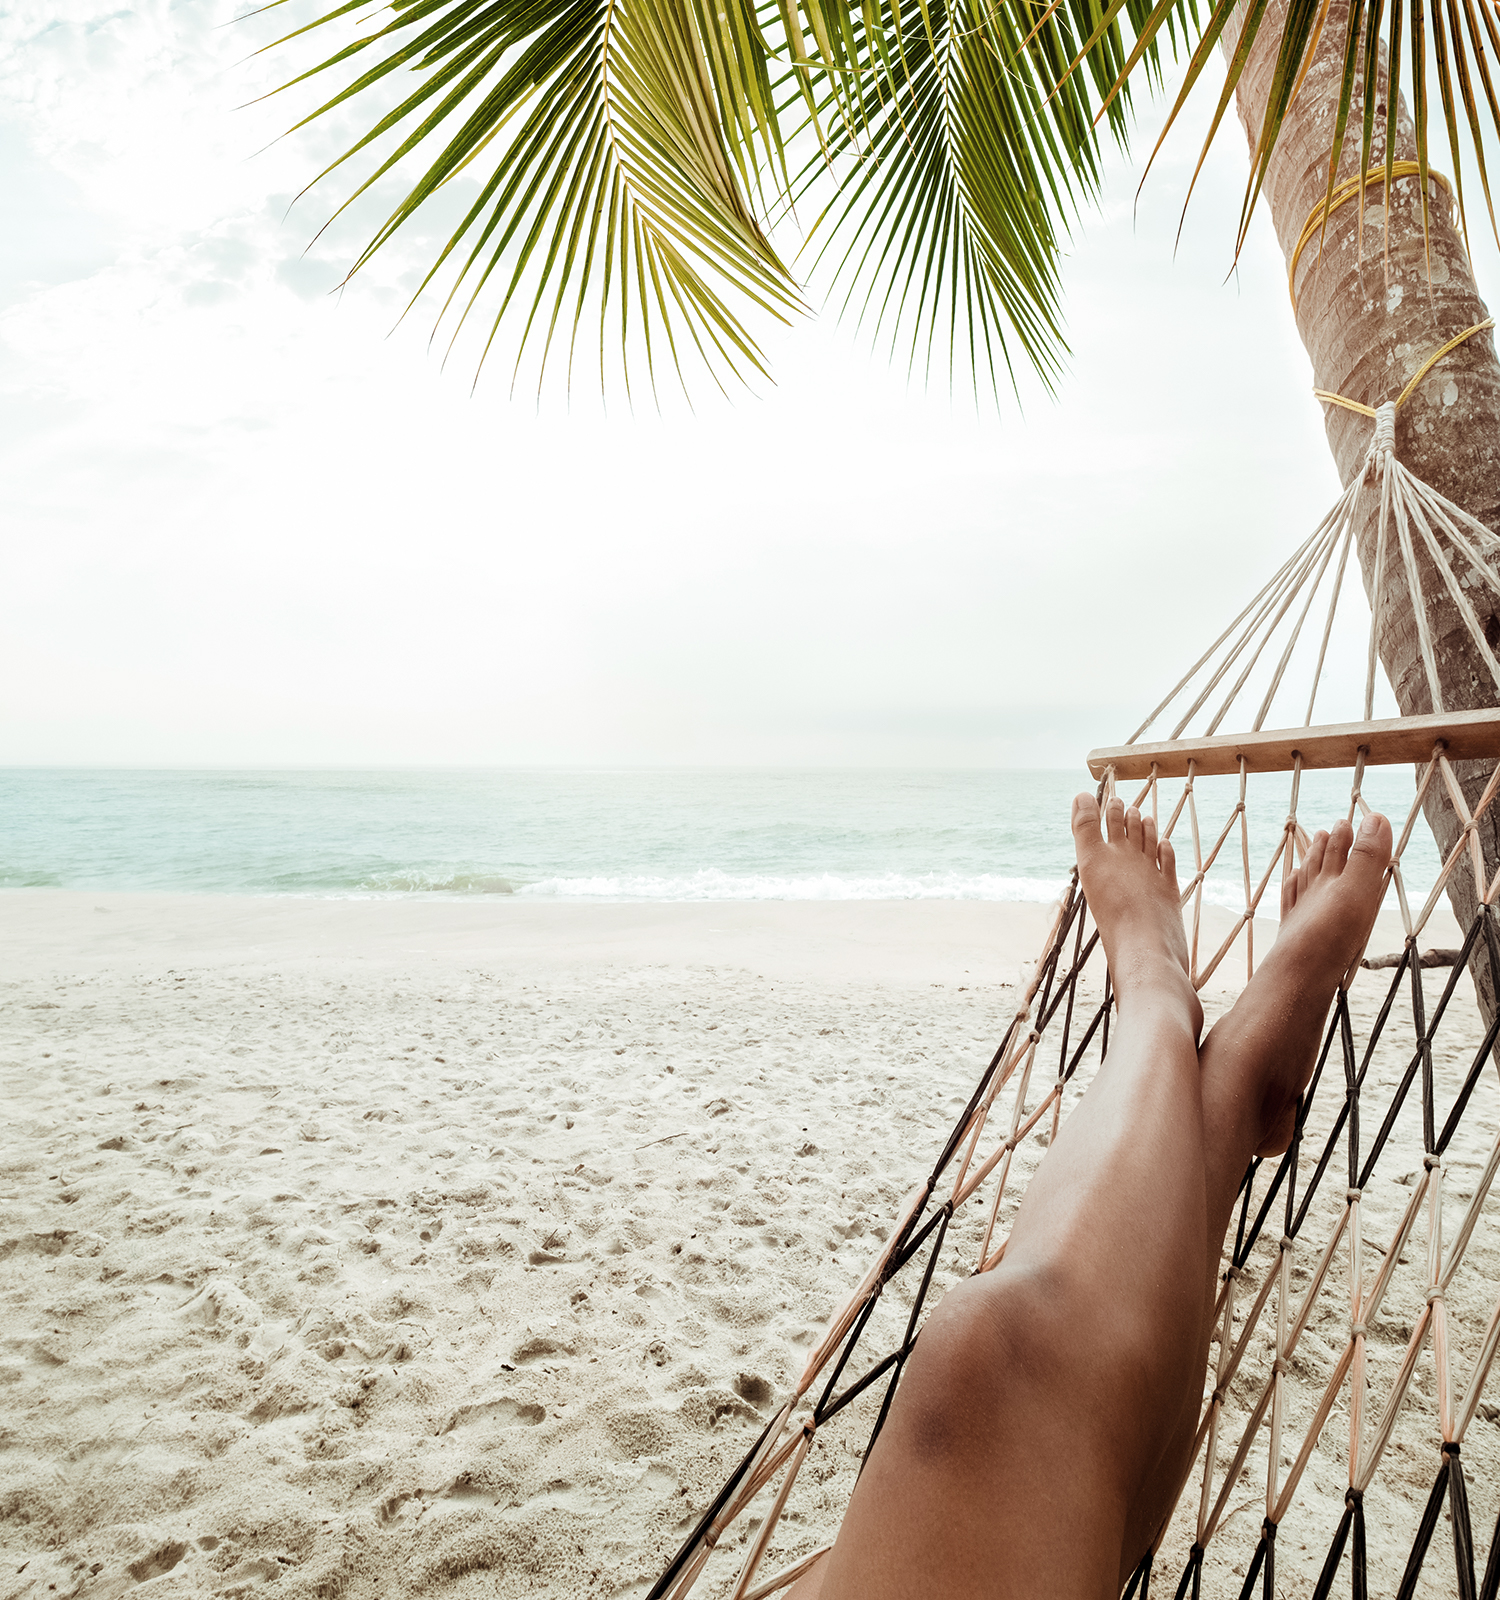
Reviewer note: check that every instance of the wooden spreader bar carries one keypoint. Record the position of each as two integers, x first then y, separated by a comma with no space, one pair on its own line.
1465,735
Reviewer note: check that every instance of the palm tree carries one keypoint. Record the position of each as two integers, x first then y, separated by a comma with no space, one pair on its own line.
634,159
1370,310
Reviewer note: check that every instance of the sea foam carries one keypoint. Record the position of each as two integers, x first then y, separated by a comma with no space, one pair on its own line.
709,883
712,884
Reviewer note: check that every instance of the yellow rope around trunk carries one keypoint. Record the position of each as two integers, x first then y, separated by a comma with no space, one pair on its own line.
1341,196
1421,372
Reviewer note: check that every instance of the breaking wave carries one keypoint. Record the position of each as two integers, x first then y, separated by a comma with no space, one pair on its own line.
712,884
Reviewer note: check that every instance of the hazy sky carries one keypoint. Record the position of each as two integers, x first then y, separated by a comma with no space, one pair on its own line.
245,522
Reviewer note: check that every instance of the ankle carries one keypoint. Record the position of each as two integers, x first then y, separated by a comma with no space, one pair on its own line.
1154,981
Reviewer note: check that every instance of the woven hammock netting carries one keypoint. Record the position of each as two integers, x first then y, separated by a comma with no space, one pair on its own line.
1357,1315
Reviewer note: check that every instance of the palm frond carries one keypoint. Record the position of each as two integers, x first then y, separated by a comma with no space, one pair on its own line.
615,183
979,147
946,221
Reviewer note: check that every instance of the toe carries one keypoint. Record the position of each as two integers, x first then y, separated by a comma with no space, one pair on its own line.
1085,825
1370,853
1167,858
1337,852
1114,819
1148,838
1289,892
1133,826
1312,862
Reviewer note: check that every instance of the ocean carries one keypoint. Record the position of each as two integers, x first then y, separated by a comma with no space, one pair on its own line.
720,834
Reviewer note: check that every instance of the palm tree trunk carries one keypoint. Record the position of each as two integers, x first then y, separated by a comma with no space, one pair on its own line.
1368,322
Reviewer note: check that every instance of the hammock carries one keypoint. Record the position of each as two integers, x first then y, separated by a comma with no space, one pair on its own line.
1301,1254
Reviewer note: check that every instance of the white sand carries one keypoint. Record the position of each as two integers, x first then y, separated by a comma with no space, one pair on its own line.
376,1248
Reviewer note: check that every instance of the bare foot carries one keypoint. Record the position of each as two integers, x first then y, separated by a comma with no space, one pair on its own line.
1328,907
1264,1052
1129,878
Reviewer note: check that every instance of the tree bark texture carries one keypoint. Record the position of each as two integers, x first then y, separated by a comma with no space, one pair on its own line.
1369,319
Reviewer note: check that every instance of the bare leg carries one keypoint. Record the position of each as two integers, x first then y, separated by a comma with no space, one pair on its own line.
1040,1420
1257,1059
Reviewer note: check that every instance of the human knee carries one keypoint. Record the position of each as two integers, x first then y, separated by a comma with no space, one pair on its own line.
1037,1340
992,1348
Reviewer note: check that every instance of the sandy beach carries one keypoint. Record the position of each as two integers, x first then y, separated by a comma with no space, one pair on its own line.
442,1247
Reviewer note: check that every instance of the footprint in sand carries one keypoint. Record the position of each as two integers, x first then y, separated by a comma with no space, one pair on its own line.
161,1560
504,1413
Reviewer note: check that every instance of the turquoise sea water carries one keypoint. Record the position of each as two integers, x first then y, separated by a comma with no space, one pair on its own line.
719,834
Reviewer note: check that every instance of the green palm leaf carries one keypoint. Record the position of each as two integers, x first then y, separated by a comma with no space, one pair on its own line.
614,183
944,230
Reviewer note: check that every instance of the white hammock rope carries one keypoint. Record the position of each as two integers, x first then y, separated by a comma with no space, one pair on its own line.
1409,509
1252,1399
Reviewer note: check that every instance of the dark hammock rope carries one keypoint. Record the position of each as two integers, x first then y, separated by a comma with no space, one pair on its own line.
910,1338
1074,908
1141,1578
1192,1573
1491,1585
1353,1517
1263,1565
1448,1483
722,1499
